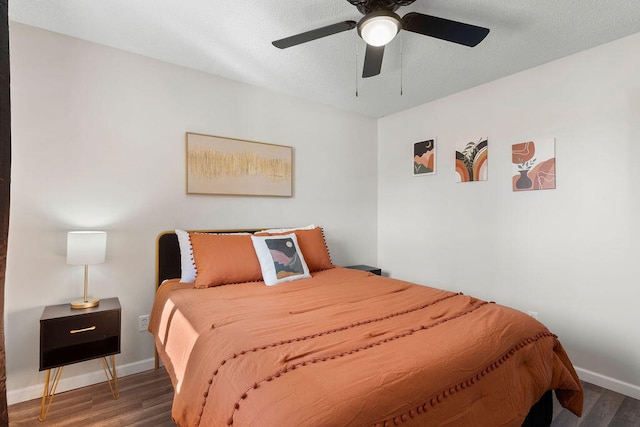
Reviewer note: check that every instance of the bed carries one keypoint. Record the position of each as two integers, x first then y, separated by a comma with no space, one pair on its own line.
343,347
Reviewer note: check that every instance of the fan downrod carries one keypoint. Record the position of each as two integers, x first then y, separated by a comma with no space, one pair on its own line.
367,6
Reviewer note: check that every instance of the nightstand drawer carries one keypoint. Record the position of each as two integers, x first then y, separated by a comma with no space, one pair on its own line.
80,329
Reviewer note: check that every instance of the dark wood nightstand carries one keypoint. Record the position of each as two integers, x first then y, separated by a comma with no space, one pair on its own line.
69,336
374,270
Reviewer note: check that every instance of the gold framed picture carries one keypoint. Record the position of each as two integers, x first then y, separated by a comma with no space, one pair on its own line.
229,166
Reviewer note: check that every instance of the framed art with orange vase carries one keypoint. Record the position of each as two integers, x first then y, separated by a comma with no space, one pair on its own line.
533,165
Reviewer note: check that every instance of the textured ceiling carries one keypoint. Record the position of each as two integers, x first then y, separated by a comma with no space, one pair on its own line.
232,39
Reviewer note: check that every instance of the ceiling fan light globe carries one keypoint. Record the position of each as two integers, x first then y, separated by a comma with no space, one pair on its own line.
378,30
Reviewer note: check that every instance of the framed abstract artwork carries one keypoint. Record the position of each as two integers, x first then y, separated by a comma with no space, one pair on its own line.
219,165
424,157
533,165
472,160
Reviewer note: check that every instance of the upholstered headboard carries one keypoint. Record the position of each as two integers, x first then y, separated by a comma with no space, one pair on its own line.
168,257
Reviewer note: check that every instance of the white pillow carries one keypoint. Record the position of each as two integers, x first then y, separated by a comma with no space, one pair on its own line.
187,266
287,230
280,258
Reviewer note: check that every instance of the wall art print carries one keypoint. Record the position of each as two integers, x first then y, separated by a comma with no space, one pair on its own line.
534,165
219,165
472,161
424,157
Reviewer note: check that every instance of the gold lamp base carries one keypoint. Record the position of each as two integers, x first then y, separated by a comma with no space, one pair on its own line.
85,303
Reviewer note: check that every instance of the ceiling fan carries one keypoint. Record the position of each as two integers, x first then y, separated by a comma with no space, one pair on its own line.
380,25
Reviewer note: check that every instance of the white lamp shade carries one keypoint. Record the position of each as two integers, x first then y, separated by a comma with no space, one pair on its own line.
86,247
379,30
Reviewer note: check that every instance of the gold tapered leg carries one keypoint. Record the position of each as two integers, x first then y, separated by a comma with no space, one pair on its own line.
49,392
50,386
112,376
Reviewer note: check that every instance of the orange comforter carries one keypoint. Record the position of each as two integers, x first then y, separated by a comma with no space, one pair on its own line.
350,348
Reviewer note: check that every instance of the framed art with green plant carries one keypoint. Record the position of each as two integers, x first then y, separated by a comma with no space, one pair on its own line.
472,160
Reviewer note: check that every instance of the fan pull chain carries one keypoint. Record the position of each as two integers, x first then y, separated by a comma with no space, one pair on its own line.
356,44
401,60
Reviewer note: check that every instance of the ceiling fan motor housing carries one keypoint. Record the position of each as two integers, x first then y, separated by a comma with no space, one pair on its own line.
379,27
368,6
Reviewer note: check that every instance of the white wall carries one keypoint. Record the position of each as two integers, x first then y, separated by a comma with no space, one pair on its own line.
99,143
570,254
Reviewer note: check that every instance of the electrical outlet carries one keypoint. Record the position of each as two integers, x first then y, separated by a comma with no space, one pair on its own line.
533,314
143,322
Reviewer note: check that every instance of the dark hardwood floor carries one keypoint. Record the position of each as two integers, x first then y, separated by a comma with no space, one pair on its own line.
145,400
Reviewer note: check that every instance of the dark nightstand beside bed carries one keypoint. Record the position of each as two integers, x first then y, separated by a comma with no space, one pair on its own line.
374,270
70,335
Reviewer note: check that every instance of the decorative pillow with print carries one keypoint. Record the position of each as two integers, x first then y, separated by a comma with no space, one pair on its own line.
281,259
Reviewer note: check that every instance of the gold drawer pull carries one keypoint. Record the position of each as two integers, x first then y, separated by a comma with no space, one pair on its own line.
75,331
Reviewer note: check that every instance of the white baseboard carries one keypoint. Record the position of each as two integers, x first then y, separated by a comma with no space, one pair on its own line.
65,384
609,383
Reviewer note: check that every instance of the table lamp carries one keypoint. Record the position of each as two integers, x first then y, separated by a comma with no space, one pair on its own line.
84,248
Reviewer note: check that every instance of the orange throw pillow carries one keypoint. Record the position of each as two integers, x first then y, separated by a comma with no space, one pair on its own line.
224,259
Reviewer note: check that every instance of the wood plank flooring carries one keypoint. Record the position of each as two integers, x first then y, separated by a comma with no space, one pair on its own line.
602,408
145,400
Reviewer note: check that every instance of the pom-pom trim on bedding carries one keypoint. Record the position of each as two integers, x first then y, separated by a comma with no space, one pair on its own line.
435,399
471,380
323,333
314,360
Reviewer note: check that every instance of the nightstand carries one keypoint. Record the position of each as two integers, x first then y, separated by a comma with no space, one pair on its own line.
374,270
69,336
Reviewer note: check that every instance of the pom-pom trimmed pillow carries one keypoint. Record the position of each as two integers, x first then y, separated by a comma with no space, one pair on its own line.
313,246
222,259
280,258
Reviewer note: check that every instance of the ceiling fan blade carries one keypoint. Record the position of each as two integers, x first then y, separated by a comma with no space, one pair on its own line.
445,29
314,34
372,61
